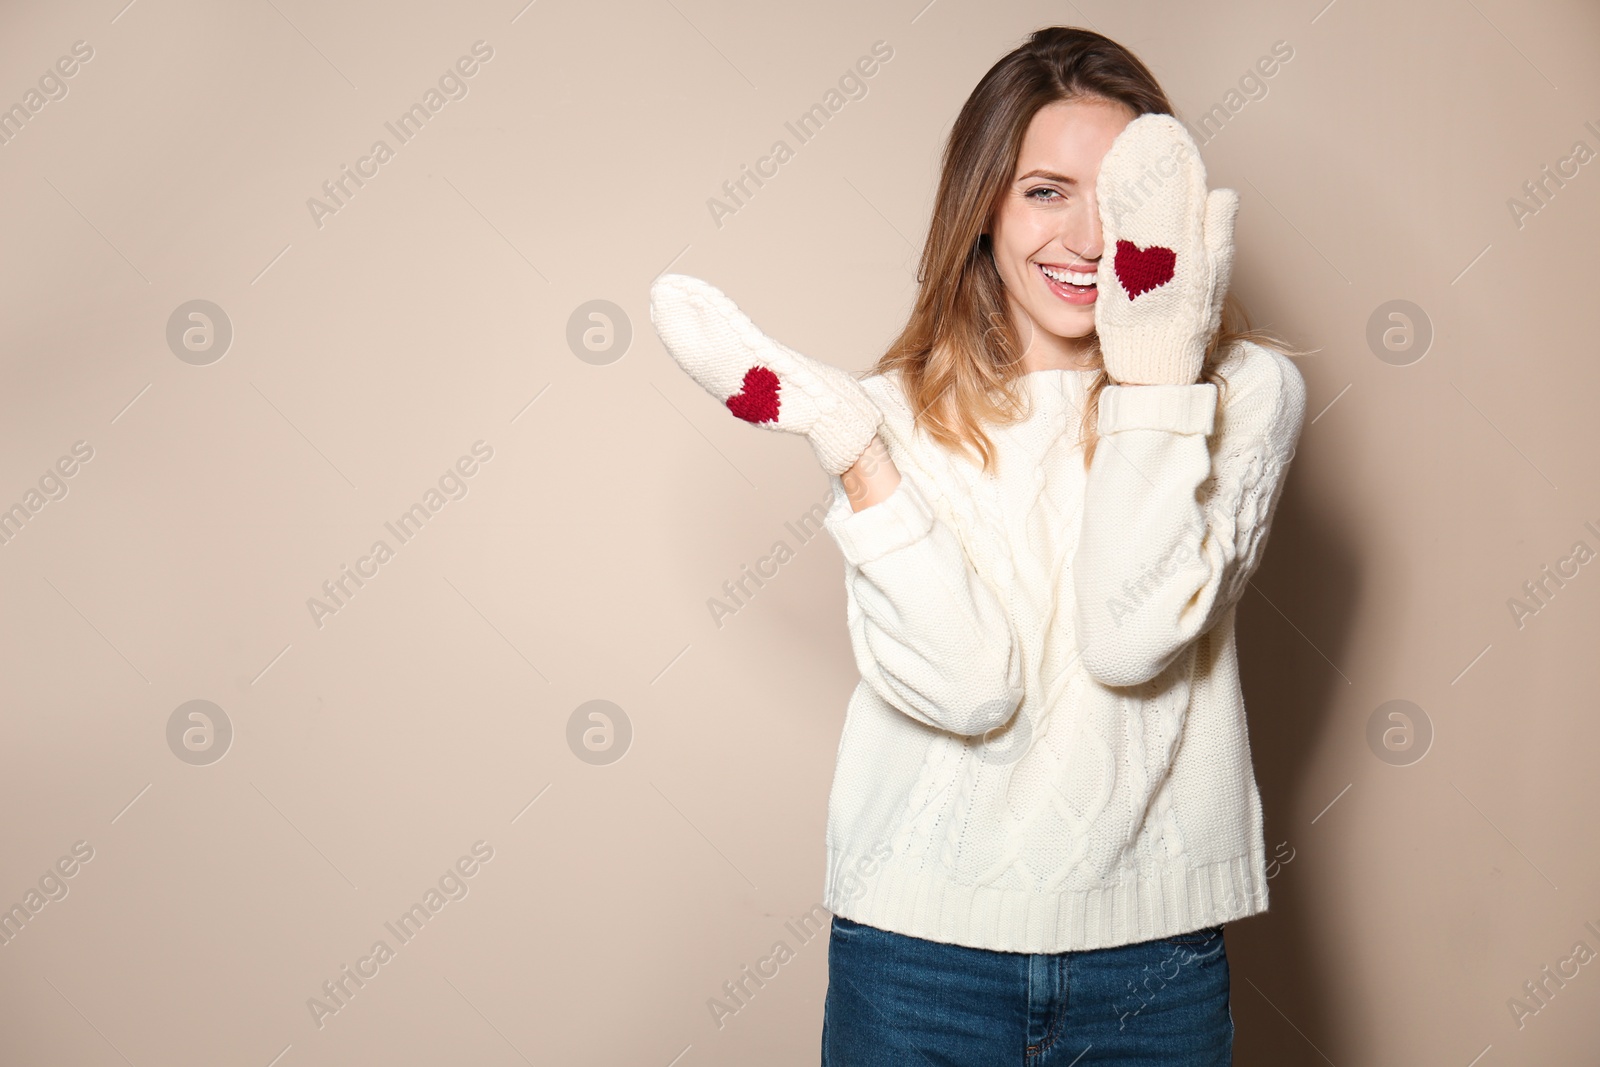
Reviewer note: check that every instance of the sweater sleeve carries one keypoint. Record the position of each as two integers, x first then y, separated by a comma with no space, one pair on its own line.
1176,511
929,635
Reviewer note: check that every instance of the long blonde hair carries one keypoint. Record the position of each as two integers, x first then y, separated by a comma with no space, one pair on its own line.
959,353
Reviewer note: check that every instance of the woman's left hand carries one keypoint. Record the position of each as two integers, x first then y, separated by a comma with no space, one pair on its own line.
1168,254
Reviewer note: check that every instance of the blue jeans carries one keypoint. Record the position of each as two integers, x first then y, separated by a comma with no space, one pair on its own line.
909,1002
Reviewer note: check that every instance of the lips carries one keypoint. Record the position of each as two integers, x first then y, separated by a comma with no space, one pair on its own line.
1080,277
1069,292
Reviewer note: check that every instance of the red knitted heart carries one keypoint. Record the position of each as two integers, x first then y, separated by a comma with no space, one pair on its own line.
758,401
1143,269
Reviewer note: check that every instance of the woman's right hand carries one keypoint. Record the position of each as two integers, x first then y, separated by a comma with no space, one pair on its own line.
760,380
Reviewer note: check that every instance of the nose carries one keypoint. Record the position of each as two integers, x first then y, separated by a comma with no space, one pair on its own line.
1081,230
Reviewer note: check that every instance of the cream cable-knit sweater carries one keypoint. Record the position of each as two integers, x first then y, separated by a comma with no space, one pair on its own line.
1048,740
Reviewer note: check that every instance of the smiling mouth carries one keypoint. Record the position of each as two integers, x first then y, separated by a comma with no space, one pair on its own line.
1069,277
1077,283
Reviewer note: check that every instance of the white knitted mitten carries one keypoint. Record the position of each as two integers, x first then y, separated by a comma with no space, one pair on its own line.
1169,250
760,380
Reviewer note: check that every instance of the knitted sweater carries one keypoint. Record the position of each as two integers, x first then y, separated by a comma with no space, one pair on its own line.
1047,749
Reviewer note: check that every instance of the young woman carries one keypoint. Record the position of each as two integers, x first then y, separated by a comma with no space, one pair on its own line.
1049,495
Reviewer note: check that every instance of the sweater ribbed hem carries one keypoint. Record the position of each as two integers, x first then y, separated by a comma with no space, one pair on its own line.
1174,899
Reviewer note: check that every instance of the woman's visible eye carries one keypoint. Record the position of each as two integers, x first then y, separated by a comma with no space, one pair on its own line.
1043,193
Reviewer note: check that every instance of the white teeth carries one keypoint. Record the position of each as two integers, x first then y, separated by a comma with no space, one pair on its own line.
1072,277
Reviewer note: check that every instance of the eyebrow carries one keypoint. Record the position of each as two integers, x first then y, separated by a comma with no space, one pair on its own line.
1048,175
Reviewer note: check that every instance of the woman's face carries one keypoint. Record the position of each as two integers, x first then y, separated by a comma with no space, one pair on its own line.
1046,230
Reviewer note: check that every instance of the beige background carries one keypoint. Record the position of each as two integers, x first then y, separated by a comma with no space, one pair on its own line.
432,310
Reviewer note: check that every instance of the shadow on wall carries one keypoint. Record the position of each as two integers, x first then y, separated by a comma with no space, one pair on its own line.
1290,690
